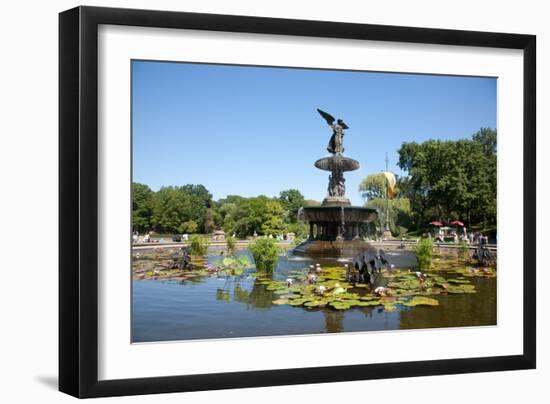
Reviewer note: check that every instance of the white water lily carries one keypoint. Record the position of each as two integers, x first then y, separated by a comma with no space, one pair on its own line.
379,290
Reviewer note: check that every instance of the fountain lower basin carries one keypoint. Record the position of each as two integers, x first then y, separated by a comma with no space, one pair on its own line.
335,231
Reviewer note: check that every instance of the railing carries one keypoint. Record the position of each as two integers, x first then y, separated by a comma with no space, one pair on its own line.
211,243
492,247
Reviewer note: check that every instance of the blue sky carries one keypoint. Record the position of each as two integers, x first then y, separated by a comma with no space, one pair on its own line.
254,130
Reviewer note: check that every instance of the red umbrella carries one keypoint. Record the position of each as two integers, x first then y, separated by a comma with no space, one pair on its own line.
436,223
457,223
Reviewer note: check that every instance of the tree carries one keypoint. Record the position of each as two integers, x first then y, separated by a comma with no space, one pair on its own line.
209,223
373,186
142,204
487,138
173,206
244,216
291,200
373,190
227,213
170,209
188,227
200,201
451,179
399,211
272,218
311,202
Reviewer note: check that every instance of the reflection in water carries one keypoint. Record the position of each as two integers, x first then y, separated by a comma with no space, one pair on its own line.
216,306
456,310
259,297
334,320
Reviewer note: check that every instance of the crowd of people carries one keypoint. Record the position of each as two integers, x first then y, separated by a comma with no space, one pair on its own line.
460,235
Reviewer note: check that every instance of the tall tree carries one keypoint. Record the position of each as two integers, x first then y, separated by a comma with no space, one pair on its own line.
142,207
209,222
373,186
451,179
291,200
173,206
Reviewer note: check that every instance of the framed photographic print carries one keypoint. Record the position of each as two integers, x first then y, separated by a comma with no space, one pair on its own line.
250,201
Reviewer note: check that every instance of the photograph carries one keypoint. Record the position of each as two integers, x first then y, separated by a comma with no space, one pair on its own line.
279,201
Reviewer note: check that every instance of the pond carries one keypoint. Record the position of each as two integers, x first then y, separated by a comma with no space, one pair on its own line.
206,305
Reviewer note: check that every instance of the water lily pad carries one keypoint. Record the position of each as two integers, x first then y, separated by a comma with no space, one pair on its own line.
280,301
352,302
403,292
461,288
368,303
421,301
275,285
339,305
296,302
458,281
292,296
313,303
281,291
406,284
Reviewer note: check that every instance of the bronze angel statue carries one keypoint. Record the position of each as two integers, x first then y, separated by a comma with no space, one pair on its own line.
336,144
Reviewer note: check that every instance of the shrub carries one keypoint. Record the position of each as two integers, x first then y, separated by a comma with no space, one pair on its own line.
265,253
198,245
188,227
464,250
424,252
230,241
297,241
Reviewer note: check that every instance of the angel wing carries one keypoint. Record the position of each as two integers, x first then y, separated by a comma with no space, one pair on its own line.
328,117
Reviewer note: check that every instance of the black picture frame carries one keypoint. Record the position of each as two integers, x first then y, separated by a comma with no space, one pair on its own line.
78,200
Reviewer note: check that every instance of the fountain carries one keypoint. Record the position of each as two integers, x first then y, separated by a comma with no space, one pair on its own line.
335,227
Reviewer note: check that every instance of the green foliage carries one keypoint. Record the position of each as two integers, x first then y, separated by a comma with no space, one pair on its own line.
297,241
173,206
399,211
424,253
142,205
235,265
209,223
190,209
265,253
451,179
311,202
487,138
300,230
464,249
188,227
244,216
373,187
272,221
230,241
198,245
291,200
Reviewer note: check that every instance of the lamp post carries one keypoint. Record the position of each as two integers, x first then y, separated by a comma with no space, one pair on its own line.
387,232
